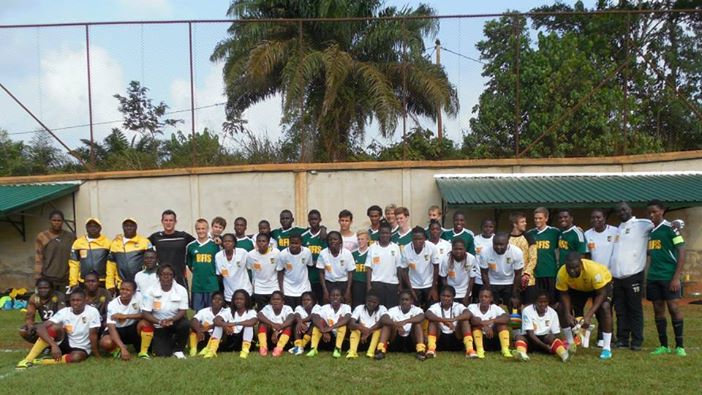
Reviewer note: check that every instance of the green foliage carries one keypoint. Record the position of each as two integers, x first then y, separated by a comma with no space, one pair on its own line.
208,151
139,112
420,145
14,159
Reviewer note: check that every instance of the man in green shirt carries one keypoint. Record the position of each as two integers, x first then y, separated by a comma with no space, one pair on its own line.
200,259
282,234
666,251
571,239
403,236
314,239
242,241
546,239
459,230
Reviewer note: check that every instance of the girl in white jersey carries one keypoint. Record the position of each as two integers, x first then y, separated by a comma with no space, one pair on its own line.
489,324
449,323
303,319
235,326
402,328
202,325
276,321
330,324
365,325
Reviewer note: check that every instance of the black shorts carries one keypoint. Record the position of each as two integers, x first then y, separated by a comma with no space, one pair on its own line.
387,293
233,342
578,299
475,292
492,344
660,290
423,298
129,335
260,301
340,285
66,348
317,291
502,294
293,301
532,347
358,293
402,344
448,342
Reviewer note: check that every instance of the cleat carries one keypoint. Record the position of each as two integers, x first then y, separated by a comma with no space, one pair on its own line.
277,352
370,354
350,355
299,351
471,354
431,354
202,352
263,351
313,353
243,354
143,355
481,354
179,355
209,354
621,344
421,356
293,350
336,353
520,356
679,351
635,347
23,364
661,350
379,355
606,354
507,353
566,357
116,354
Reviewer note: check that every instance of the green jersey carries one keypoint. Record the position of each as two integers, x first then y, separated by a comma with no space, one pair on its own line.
282,236
200,259
374,236
571,239
360,273
315,245
402,239
546,246
245,243
464,234
663,244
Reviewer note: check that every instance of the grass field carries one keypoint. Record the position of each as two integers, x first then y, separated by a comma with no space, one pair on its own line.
627,372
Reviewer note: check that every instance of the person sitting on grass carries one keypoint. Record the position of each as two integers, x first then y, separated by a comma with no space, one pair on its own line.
234,327
276,321
329,325
72,334
449,323
402,329
364,324
201,327
46,303
303,319
124,322
489,320
540,328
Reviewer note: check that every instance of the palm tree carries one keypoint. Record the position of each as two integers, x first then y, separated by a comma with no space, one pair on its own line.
335,77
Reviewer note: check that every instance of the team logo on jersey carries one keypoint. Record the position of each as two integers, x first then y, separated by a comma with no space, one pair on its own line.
135,305
392,253
627,231
54,299
84,319
341,262
548,324
272,261
83,254
304,261
196,251
426,257
598,277
509,260
609,239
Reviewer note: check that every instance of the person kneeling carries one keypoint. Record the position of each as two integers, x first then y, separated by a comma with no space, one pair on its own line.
402,329
451,321
329,326
540,326
488,320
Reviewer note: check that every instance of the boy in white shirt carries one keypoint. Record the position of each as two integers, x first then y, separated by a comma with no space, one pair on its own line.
501,267
231,266
366,323
489,320
420,262
146,278
402,329
124,323
262,262
292,266
383,265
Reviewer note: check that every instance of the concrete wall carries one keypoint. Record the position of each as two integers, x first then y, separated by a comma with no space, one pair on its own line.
261,192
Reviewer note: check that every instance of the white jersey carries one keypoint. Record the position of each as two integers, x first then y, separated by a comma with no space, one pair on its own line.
501,268
263,267
331,317
443,247
302,313
234,317
420,265
458,274
272,244
630,248
206,318
336,268
396,315
116,307
350,242
493,312
233,272
480,243
295,280
601,244
78,326
384,262
541,325
360,314
145,280
279,318
452,312
165,305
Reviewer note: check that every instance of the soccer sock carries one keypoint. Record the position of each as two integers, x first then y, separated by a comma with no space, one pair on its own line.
585,337
248,334
354,339
305,340
340,334
662,328
468,341
283,338
192,343
431,343
678,331
213,344
420,347
521,346
64,359
559,349
246,346
375,338
147,335
262,337
504,339
316,337
569,335
478,339
606,340
382,347
37,348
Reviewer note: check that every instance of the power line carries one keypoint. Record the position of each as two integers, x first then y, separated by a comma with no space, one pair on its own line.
115,121
463,56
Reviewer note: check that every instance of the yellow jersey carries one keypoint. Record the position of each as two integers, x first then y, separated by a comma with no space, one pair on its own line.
593,276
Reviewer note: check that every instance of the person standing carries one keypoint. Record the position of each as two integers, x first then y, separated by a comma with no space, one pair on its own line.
600,238
126,255
170,245
200,259
53,249
546,238
89,254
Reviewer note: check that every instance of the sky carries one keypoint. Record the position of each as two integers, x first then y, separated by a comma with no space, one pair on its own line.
46,67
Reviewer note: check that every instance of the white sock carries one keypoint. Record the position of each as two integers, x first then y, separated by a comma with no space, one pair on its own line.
586,338
569,335
606,340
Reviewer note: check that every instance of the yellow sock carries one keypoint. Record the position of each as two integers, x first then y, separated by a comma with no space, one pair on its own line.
146,338
375,338
298,343
431,343
262,340
282,340
478,339
382,348
468,342
305,340
213,344
245,346
51,361
316,337
420,347
340,334
504,339
192,343
354,339
37,348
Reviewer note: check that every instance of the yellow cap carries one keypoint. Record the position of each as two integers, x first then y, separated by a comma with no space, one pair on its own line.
93,219
129,219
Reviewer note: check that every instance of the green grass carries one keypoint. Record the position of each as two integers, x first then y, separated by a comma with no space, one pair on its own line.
627,372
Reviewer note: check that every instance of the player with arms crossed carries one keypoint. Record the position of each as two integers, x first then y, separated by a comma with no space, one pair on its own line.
124,322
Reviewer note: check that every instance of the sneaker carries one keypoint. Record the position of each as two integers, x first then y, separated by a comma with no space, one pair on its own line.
606,354
179,355
431,354
679,351
313,353
277,352
243,354
520,356
336,353
193,351
471,354
263,351
202,353
116,354
421,356
621,344
577,340
661,350
370,354
566,357
379,355
23,364
507,353
350,355
481,354
635,347
299,351
293,350
143,355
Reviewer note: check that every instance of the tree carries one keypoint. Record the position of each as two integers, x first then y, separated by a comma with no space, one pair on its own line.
44,156
13,157
334,77
139,112
421,145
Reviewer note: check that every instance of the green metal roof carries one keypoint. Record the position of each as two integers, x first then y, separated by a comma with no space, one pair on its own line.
16,198
682,189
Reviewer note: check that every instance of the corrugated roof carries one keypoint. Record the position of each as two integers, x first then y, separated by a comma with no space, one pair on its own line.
15,198
682,189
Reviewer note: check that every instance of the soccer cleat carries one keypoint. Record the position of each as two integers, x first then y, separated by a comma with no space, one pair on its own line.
471,354
193,351
143,355
679,351
520,356
243,354
23,364
263,351
299,351
293,350
606,354
179,355
577,340
202,353
566,356
313,353
481,354
379,355
431,354
336,353
116,354
350,355
370,354
507,353
278,351
421,356
661,350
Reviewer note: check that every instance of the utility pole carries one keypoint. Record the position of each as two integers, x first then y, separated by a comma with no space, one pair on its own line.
439,125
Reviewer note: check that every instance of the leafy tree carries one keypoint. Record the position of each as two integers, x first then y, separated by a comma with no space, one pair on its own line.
178,150
334,77
421,145
44,156
139,112
13,157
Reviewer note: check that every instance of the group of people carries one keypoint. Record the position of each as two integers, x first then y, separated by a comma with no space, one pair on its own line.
391,287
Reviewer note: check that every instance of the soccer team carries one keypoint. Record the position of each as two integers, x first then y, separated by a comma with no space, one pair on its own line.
390,288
